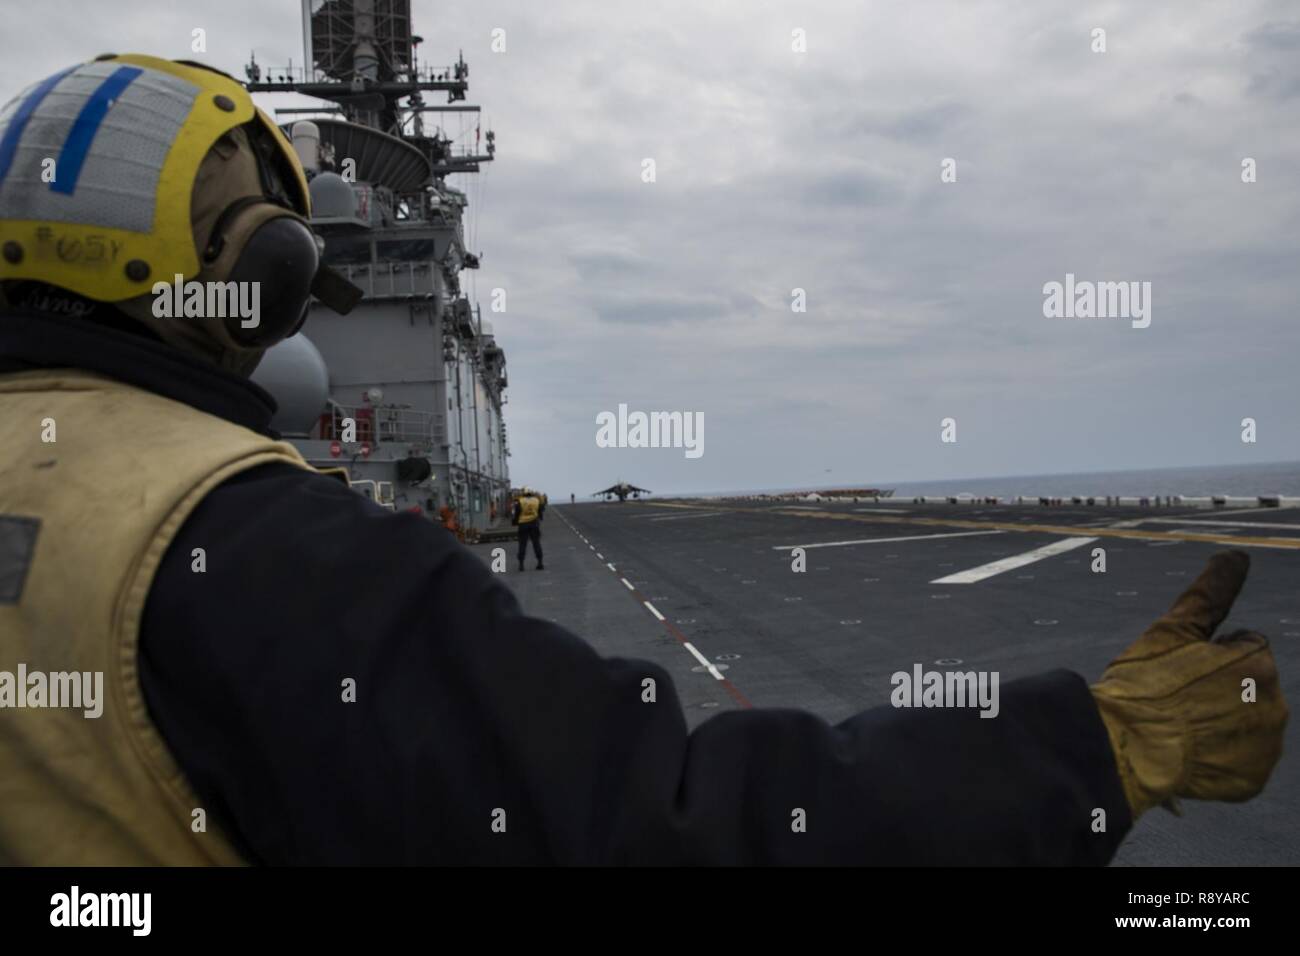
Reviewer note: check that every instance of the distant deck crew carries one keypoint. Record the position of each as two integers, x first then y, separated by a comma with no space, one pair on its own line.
447,514
336,683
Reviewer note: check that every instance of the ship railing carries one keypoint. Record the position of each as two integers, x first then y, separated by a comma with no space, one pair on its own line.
392,280
289,73
424,73
382,423
285,74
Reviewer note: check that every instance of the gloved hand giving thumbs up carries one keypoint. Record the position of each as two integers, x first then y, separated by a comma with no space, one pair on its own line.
1178,705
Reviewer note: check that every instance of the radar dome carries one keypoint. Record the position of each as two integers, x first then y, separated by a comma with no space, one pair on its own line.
332,197
295,374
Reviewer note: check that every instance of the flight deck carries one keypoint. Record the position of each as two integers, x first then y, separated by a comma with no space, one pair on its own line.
716,592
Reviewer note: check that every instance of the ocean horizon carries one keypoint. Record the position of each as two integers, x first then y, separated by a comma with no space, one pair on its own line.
1268,478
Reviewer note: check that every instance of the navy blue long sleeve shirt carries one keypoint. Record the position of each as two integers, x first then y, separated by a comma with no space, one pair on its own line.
481,735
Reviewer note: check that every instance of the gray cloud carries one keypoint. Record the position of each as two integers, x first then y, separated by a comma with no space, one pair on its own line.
1275,51
658,309
1279,37
849,189
820,171
928,123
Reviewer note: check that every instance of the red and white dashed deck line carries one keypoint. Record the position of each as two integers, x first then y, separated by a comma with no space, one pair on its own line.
708,666
672,629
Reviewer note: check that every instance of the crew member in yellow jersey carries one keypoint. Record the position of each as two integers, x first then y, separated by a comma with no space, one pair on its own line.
527,514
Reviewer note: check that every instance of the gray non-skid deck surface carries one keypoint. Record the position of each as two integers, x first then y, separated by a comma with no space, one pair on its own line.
827,640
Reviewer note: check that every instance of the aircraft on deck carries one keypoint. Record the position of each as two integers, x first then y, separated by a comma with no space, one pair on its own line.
622,489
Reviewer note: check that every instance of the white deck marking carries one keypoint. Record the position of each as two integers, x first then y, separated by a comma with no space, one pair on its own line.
628,583
599,555
655,514
703,660
610,566
653,610
699,514
1015,561
885,511
912,537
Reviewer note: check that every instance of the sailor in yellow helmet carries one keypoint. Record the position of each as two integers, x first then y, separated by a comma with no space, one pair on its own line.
129,172
119,178
210,653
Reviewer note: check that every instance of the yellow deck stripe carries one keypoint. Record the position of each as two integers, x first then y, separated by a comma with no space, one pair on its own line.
1067,530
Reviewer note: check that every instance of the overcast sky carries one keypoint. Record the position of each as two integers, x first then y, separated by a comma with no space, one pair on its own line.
820,170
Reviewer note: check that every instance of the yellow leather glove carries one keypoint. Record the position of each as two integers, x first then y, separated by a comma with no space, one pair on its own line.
1177,705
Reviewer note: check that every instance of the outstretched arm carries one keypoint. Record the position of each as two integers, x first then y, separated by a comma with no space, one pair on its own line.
481,735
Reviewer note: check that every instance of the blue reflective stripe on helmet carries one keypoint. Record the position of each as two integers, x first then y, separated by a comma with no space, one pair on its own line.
73,155
14,131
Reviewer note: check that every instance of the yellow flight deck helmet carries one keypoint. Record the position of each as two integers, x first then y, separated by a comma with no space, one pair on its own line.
129,171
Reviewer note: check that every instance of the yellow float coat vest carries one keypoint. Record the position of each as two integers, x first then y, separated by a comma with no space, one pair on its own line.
125,469
528,509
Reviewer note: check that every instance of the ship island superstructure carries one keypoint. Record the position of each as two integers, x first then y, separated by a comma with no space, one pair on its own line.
406,392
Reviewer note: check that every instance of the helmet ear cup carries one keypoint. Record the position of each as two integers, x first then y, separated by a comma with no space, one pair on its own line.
281,257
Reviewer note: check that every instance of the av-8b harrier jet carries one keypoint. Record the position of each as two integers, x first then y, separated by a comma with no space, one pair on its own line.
622,489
